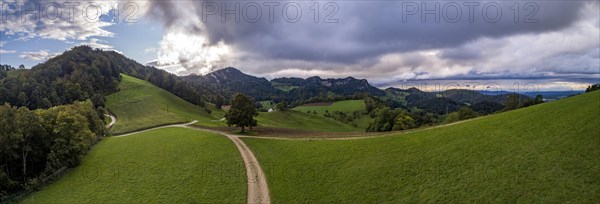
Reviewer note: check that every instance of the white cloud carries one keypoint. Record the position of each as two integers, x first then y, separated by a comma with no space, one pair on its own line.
7,51
75,27
39,55
100,44
192,52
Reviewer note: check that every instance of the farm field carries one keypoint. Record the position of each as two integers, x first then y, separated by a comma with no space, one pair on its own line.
140,105
298,120
347,106
545,153
171,165
343,106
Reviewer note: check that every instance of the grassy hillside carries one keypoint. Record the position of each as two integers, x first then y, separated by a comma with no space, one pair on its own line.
343,106
348,107
172,165
546,153
139,105
298,120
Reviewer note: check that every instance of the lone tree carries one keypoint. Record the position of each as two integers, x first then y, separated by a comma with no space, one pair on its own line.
282,106
242,112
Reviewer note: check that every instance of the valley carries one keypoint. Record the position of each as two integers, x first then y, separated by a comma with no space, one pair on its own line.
304,140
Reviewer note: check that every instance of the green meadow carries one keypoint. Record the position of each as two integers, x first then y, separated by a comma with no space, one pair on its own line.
298,120
347,106
546,153
343,106
171,165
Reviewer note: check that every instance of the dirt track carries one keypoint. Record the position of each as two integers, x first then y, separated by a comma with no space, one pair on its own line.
113,120
258,189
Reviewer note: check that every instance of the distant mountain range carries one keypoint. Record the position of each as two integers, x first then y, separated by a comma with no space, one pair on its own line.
231,80
220,85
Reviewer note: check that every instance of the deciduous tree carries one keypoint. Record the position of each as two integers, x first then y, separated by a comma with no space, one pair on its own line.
242,112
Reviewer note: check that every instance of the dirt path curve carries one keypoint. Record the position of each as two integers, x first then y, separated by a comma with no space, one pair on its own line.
113,120
258,189
183,125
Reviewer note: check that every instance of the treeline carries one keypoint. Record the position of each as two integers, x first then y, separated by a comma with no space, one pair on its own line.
4,69
34,144
515,101
386,118
74,76
592,88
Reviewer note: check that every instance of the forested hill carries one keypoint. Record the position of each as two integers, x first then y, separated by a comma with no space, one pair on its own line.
316,86
76,75
84,73
293,90
231,80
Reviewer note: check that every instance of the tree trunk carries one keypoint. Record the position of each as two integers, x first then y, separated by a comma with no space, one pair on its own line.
242,129
24,165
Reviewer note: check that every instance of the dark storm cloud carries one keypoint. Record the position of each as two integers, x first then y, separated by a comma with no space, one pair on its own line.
365,29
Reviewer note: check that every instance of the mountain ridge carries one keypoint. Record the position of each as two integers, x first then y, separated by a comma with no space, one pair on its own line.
221,84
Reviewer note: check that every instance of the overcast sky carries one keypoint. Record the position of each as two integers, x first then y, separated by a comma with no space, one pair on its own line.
554,43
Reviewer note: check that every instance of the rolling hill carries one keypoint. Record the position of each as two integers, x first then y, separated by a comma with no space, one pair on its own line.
303,121
141,105
544,153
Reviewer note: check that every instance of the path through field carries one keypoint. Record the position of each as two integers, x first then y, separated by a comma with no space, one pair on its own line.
258,189
184,125
113,120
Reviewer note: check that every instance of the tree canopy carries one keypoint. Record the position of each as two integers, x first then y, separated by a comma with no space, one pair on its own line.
242,112
36,143
282,106
387,119
592,88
